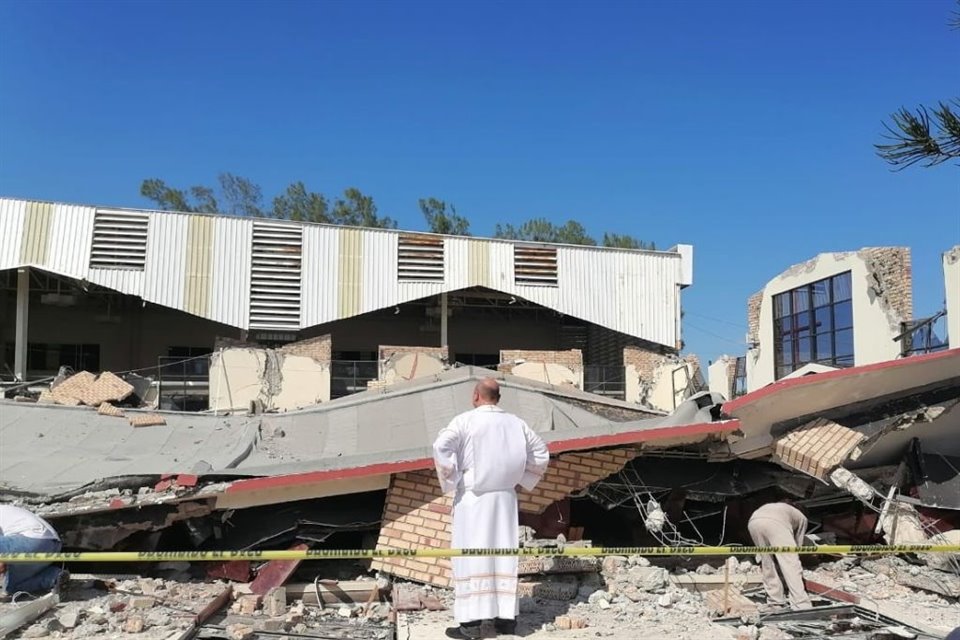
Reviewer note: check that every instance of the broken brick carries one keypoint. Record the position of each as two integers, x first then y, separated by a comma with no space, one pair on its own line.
187,480
141,602
133,624
275,602
248,604
235,570
146,420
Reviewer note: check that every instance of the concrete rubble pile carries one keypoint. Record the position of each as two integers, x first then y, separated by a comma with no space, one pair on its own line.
621,597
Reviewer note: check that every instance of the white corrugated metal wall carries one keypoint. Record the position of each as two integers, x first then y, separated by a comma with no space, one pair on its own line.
11,232
230,297
636,293
321,273
166,260
68,253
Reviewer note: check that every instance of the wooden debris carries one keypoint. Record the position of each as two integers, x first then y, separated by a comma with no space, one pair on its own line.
276,572
728,602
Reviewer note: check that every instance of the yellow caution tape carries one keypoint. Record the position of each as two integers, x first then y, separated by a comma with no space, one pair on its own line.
361,554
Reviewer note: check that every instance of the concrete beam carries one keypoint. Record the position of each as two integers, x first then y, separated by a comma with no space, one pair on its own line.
22,318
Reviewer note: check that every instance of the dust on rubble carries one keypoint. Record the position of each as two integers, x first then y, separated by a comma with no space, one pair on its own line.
630,597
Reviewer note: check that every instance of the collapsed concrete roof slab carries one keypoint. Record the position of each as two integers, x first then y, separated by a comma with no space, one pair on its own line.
50,449
790,402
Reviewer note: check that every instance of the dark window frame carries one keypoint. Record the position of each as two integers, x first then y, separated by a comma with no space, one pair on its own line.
807,327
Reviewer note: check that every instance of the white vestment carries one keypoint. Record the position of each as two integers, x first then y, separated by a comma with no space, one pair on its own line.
483,455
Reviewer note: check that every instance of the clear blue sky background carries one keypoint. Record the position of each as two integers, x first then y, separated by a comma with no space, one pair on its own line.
743,128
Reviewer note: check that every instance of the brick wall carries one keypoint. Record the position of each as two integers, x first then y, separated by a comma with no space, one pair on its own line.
731,366
817,447
571,472
319,348
645,360
893,269
753,316
571,358
696,375
416,515
387,352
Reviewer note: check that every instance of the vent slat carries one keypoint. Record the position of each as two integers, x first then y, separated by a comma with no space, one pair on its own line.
420,258
119,241
275,276
535,265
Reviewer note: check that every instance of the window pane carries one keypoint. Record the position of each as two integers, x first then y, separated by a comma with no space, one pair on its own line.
786,355
824,346
844,341
843,315
803,351
821,292
782,328
801,299
844,362
841,287
823,320
781,305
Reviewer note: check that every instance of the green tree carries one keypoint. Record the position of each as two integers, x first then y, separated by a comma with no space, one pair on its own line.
440,220
927,136
626,242
358,210
918,138
542,230
166,197
242,196
296,203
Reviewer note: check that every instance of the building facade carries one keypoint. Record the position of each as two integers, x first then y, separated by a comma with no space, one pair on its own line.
118,289
835,311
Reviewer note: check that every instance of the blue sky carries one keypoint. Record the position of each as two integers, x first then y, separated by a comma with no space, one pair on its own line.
743,128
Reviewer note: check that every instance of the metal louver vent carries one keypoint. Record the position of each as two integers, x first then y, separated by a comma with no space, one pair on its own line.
535,265
275,270
119,240
420,257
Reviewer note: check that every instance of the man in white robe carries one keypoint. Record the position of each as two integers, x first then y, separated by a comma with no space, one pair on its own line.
483,455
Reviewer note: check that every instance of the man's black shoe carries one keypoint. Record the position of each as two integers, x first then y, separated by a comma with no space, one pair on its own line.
504,626
464,632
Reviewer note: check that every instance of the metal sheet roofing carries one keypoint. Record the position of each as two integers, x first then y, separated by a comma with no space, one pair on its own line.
204,264
50,449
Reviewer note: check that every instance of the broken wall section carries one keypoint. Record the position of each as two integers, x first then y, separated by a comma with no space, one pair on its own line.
552,367
882,298
660,379
951,281
722,376
246,377
403,363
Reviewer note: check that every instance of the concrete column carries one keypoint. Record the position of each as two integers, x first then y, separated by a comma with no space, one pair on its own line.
951,281
23,309
443,320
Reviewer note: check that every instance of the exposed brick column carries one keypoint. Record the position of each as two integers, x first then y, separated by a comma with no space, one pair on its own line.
893,268
416,515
